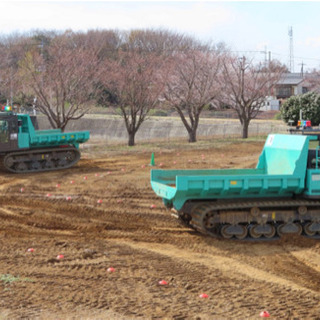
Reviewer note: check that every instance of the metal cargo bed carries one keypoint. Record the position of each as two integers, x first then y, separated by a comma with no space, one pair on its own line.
280,172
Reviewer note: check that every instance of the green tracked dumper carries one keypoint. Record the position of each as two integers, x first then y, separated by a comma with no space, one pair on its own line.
280,196
24,149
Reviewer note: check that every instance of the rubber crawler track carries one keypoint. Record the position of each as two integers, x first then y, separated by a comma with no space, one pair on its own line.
39,160
201,214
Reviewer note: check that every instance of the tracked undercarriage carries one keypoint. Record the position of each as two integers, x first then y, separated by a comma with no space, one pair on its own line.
263,219
38,160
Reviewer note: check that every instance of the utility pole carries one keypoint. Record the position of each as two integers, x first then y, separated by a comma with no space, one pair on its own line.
265,52
302,64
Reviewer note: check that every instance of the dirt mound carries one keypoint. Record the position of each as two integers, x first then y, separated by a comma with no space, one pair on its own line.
99,215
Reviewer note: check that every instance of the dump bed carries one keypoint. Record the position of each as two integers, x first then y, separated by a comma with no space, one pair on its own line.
58,138
280,172
28,137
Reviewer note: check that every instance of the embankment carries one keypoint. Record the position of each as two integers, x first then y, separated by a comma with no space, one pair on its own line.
112,129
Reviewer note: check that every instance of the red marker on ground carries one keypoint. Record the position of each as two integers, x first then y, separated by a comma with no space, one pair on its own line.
163,283
60,256
203,295
30,250
264,314
111,269
99,201
153,206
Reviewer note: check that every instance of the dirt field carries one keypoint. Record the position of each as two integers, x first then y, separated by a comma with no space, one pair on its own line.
59,214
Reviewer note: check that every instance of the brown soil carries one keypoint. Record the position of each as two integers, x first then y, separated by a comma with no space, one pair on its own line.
144,244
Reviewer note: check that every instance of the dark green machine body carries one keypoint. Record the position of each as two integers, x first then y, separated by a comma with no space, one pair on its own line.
25,149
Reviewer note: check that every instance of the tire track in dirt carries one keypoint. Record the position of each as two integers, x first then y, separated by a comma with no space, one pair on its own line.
144,245
10,182
244,279
223,263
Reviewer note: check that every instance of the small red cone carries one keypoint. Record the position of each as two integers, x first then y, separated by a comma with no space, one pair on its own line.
68,198
99,201
97,174
85,178
161,164
72,182
111,269
153,206
264,314
49,194
60,256
143,166
163,283
22,190
109,172
203,295
30,250
58,185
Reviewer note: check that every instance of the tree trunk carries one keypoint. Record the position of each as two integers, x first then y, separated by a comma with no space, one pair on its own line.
245,129
131,139
192,136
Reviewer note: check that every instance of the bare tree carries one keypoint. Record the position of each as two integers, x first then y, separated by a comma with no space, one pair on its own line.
137,82
105,43
246,86
11,52
160,41
62,76
192,85
312,80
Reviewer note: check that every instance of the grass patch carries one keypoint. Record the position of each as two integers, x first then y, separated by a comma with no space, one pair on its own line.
9,278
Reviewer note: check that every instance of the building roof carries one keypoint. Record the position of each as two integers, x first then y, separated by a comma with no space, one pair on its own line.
291,79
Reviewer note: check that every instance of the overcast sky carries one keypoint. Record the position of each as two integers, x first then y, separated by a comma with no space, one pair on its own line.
248,27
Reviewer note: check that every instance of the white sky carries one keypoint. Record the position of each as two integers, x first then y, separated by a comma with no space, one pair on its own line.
248,27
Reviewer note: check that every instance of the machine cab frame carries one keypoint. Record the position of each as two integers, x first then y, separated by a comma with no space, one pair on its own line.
8,132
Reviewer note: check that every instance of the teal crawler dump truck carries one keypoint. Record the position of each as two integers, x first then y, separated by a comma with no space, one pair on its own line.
24,149
280,196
